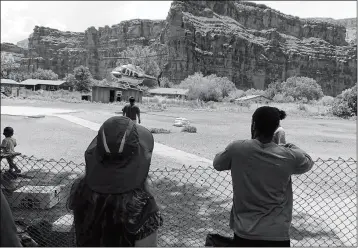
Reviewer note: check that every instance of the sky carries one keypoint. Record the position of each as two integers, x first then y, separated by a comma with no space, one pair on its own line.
18,18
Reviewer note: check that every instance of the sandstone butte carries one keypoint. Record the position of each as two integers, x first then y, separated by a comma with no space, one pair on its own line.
251,44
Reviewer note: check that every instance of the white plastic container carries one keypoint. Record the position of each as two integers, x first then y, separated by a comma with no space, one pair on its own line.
39,197
181,122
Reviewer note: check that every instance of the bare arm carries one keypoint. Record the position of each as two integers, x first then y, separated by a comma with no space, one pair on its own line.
304,162
138,113
281,137
222,160
124,111
150,241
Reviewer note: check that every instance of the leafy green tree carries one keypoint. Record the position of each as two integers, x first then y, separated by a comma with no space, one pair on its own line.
83,79
8,65
44,74
142,57
302,87
345,104
210,88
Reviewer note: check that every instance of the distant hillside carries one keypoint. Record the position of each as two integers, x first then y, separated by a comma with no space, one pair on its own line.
349,23
23,44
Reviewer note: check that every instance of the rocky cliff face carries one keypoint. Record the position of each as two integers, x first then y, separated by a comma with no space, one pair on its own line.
251,44
254,45
63,51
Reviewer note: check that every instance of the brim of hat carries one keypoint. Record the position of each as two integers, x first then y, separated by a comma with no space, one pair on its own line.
114,177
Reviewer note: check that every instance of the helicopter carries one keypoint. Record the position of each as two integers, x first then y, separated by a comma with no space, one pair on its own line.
130,71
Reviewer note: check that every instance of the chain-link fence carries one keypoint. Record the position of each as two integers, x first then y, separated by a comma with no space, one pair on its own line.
193,202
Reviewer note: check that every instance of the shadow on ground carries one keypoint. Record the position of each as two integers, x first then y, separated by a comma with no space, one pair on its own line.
39,221
189,213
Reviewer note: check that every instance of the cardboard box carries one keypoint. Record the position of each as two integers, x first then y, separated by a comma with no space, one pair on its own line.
39,197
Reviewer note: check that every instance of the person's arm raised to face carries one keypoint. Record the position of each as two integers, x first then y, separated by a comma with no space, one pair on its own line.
124,110
279,137
222,160
304,162
138,113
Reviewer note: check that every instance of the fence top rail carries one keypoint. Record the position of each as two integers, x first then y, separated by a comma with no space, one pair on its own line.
183,168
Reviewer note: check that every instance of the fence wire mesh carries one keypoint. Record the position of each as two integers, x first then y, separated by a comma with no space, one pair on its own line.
193,201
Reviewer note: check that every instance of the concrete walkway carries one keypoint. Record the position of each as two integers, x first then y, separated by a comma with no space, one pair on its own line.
159,149
176,155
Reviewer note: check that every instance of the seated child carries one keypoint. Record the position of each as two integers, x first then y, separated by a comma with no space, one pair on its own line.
8,144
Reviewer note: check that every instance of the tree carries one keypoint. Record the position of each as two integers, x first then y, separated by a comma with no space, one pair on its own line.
210,88
142,57
165,83
345,104
302,87
44,74
83,79
8,65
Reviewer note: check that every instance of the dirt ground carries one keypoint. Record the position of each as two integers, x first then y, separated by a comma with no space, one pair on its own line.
321,137
55,138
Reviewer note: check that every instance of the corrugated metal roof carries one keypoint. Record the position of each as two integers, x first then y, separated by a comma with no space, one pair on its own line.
8,81
168,91
42,82
114,87
250,97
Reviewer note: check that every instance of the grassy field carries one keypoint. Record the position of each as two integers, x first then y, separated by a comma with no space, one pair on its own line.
188,198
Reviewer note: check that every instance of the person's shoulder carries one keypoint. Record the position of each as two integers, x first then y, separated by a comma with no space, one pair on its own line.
239,144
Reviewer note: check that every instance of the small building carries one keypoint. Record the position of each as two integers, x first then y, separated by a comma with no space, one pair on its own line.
10,87
253,99
169,92
39,84
107,94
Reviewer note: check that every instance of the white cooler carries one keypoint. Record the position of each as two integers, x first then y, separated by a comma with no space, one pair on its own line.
39,197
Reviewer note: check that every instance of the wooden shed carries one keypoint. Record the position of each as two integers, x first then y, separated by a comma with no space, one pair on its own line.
107,94
10,87
39,84
169,92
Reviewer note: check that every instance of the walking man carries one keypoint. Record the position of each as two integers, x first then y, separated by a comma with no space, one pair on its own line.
261,172
131,110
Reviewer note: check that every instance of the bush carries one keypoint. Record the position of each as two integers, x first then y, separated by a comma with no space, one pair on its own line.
345,104
252,91
234,94
326,101
165,83
302,107
273,89
159,130
279,98
302,88
210,88
189,129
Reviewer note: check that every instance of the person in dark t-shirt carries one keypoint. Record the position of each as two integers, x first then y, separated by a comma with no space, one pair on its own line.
131,111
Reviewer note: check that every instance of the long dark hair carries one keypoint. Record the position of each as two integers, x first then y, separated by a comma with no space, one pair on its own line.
99,217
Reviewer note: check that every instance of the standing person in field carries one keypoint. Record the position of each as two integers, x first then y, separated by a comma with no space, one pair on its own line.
261,172
112,204
279,137
8,146
131,110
